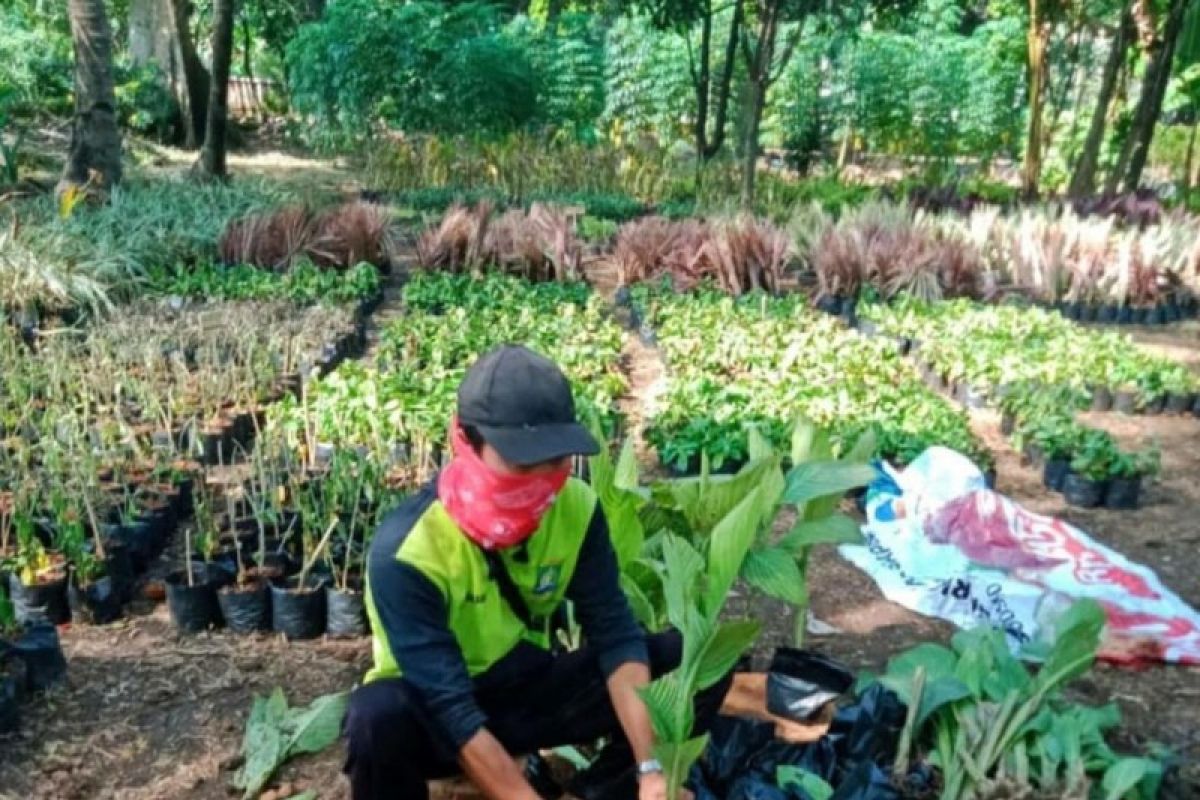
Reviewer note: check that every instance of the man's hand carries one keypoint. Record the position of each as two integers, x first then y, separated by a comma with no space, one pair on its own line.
493,771
654,787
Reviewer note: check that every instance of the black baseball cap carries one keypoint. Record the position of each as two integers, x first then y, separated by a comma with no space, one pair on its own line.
521,404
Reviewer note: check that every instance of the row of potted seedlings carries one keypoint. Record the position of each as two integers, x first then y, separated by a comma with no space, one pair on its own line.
1014,344
1085,464
73,545
281,550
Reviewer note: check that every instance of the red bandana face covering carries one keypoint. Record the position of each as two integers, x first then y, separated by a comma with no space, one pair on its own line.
495,510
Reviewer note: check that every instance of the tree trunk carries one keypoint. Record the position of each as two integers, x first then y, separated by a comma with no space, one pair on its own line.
95,151
1190,159
1154,89
725,84
212,157
1083,181
701,78
1039,33
758,94
195,77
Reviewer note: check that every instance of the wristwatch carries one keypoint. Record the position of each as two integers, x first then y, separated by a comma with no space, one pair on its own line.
651,767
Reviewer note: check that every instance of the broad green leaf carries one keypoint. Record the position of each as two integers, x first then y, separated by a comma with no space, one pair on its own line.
307,794
757,446
937,660
677,757
683,568
669,704
809,443
936,694
813,785
264,745
706,500
864,449
834,529
724,648
316,727
624,529
774,571
639,603
1077,639
727,548
1126,775
815,479
626,476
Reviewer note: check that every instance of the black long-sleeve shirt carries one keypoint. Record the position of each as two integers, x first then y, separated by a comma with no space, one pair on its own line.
415,618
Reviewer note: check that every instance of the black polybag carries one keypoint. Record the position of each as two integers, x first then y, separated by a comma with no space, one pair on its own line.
298,614
194,607
345,613
854,756
42,602
246,609
801,682
98,603
39,648
10,711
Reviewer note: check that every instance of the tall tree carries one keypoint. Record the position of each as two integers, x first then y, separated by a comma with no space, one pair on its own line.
95,150
212,157
1154,89
766,57
711,92
1083,180
195,77
1038,42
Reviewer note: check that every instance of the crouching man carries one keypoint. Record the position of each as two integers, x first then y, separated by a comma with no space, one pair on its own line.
462,582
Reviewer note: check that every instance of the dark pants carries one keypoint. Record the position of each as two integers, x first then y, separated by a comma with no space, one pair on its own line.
532,700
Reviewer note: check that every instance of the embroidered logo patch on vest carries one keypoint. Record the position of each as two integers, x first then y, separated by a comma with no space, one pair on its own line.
547,579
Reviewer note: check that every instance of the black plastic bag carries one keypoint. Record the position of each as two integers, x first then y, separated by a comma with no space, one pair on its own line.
801,682
41,602
98,603
10,711
866,782
869,729
345,613
298,612
39,648
193,607
246,609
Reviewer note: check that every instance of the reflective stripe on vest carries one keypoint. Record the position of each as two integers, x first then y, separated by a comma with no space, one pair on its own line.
481,620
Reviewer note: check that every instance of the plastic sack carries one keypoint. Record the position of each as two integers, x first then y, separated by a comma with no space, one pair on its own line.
345,613
98,603
42,602
801,682
246,609
42,653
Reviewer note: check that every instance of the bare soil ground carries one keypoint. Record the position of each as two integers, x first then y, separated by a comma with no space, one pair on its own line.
146,713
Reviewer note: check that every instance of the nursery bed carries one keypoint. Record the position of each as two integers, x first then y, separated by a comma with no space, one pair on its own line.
146,713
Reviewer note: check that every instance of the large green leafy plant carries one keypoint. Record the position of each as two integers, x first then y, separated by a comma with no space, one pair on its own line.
987,723
709,532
